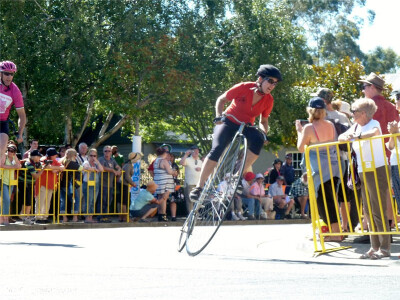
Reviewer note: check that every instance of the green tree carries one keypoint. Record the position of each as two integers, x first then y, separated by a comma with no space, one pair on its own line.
381,61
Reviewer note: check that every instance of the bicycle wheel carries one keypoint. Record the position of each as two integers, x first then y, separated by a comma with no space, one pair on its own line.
184,231
216,197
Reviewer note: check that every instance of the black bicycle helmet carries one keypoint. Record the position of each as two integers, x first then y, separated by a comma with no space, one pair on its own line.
269,71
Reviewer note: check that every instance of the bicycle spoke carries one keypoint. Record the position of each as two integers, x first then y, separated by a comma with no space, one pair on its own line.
217,196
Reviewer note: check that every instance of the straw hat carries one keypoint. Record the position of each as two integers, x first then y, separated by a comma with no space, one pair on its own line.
135,156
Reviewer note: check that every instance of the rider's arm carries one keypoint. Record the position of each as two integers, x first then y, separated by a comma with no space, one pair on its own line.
264,124
21,123
220,104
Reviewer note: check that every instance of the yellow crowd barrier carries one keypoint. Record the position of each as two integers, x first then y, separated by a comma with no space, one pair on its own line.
375,197
89,194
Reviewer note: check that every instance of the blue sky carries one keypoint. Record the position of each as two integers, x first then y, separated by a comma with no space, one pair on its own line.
384,30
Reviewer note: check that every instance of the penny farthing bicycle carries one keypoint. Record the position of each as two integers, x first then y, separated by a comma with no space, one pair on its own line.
213,205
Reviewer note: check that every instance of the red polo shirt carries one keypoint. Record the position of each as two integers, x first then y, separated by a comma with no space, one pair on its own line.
241,107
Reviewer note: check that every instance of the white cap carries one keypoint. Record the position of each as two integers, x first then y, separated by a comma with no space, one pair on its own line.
345,108
259,175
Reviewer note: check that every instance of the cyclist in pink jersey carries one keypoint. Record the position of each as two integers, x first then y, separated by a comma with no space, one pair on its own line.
9,95
248,100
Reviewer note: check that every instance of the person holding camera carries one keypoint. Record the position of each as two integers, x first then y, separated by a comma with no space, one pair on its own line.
192,163
48,184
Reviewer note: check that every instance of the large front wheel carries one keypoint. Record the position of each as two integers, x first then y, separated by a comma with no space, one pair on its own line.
216,197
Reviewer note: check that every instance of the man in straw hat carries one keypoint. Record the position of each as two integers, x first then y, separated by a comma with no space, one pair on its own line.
372,88
145,205
386,113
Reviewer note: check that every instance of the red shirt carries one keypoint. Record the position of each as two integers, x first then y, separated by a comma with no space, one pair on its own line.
385,113
48,176
241,107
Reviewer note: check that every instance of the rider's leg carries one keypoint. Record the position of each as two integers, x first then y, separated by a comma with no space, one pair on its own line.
207,168
250,160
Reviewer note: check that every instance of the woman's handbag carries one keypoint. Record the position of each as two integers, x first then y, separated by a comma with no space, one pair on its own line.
353,167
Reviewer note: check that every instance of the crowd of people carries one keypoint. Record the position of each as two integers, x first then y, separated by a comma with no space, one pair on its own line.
71,173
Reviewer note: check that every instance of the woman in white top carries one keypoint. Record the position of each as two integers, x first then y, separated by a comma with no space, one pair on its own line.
368,162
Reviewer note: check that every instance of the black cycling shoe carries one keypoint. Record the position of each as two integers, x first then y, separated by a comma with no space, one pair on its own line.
195,194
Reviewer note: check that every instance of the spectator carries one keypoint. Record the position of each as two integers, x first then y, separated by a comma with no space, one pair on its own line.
237,201
392,144
68,184
173,196
47,185
192,164
82,153
26,183
119,158
299,192
34,144
10,95
163,177
373,87
331,114
145,205
133,157
61,153
396,93
106,196
80,159
343,107
386,112
287,171
280,199
317,131
167,148
375,210
92,169
263,205
275,172
247,198
7,176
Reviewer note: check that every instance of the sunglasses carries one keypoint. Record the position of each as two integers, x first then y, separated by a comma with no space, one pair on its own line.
11,150
365,85
354,111
398,97
107,150
91,155
271,81
8,74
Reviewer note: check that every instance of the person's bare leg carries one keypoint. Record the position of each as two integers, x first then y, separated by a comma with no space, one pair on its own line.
345,220
250,160
163,203
172,207
303,202
149,213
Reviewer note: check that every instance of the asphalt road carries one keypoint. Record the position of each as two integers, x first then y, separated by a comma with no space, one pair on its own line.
242,262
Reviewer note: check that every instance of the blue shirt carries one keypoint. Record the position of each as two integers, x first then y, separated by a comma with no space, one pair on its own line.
141,200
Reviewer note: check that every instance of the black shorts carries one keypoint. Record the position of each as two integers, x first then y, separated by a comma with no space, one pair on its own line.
4,127
140,213
224,133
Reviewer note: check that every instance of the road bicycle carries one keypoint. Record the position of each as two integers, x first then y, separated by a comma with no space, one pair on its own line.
213,205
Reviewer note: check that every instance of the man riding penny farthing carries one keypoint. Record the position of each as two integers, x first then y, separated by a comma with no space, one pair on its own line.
236,146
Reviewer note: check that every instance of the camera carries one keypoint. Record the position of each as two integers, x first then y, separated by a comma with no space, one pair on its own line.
47,162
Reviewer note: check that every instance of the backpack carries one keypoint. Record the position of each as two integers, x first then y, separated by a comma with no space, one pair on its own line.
340,128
